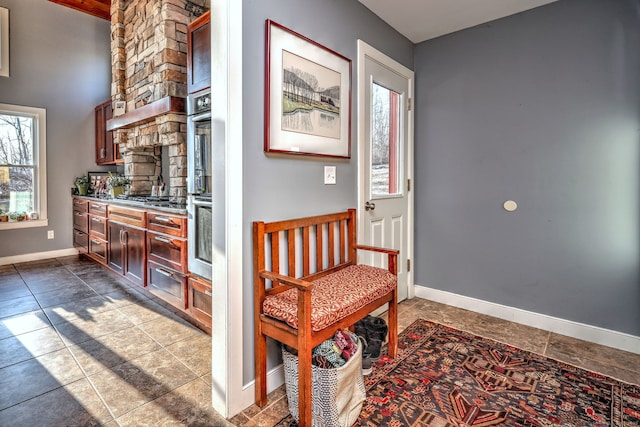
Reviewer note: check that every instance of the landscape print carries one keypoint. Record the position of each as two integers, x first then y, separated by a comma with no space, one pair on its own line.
310,97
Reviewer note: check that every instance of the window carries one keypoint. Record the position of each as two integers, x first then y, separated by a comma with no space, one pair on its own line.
23,190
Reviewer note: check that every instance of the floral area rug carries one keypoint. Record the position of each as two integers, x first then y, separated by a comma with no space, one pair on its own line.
443,377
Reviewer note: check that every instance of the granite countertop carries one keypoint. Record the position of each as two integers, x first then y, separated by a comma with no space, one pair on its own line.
137,204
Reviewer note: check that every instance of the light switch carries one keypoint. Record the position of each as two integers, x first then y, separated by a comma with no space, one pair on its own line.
329,174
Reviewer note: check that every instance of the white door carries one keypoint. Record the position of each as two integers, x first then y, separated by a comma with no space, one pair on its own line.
385,148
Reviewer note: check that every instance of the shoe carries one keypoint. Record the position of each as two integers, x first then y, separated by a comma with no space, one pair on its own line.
373,350
367,366
377,329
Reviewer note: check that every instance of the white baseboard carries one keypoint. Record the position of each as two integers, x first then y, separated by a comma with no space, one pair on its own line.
569,328
36,256
275,378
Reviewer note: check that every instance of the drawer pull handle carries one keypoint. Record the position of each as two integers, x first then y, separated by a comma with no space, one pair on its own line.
163,219
97,242
96,219
207,293
164,240
164,272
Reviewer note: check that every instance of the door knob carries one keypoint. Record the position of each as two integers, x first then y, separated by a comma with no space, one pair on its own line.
369,206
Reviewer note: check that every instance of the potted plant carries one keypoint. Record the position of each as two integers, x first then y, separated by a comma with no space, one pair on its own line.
117,184
3,216
17,216
82,184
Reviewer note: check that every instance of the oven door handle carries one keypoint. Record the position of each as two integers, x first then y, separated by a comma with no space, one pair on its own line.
201,117
201,203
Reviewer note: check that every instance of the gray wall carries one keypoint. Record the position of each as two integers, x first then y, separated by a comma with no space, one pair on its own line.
60,61
279,187
543,108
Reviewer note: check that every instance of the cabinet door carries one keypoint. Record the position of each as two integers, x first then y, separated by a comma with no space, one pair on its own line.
116,247
199,54
200,299
107,153
135,254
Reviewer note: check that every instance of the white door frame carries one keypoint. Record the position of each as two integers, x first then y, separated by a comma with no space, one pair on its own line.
364,51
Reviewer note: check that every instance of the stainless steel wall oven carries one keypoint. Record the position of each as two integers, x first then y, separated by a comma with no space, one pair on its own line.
199,183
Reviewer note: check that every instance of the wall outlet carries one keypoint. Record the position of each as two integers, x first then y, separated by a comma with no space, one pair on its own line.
329,174
50,234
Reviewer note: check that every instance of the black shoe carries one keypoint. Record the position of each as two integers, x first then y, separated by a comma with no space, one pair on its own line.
373,350
377,328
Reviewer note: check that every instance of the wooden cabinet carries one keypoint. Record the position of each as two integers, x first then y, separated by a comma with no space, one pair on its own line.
199,299
107,153
127,253
146,246
97,222
81,224
199,53
167,257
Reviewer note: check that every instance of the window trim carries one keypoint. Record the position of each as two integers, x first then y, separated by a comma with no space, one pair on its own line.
4,42
39,115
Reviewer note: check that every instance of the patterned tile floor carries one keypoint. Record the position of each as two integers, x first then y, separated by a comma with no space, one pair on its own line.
81,346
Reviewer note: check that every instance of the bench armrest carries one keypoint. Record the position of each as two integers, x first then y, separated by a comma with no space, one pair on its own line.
377,249
302,285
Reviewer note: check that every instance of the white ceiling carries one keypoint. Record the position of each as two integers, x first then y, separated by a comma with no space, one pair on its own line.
420,20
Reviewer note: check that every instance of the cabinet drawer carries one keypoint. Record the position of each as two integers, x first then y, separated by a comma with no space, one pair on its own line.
81,221
168,251
135,217
98,226
167,284
81,240
169,224
98,209
80,205
98,250
200,300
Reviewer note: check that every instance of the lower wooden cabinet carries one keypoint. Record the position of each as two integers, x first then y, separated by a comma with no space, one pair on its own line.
147,247
167,284
199,299
127,251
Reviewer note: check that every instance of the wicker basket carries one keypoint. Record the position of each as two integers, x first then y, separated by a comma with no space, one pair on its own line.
337,394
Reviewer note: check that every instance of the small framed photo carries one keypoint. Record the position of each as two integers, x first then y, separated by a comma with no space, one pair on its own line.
307,96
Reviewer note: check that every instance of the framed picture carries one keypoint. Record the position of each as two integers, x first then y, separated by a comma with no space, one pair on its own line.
307,96
4,42
98,181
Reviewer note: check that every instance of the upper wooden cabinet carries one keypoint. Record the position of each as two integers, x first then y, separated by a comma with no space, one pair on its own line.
107,153
199,54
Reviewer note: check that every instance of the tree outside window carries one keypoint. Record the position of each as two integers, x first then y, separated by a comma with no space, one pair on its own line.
21,160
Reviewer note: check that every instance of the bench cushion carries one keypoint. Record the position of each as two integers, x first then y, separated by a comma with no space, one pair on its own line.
334,296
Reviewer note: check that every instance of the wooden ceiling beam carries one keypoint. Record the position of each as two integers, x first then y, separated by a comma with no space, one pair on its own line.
99,8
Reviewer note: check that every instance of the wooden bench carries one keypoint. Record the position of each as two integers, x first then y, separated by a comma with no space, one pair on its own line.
307,285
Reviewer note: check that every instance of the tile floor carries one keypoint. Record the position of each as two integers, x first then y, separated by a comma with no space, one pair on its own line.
81,346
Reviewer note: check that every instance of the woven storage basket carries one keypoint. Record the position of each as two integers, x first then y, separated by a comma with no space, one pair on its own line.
337,394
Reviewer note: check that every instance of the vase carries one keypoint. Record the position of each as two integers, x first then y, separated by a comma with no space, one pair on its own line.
82,189
116,191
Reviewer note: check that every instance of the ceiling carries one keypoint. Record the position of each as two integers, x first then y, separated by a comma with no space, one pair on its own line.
417,20
420,20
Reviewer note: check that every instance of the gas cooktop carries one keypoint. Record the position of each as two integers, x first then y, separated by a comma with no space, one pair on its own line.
158,201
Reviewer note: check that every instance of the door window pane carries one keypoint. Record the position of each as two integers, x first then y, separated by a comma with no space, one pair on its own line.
385,137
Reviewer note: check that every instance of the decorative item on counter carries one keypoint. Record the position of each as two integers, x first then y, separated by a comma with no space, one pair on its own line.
82,185
18,216
117,184
4,217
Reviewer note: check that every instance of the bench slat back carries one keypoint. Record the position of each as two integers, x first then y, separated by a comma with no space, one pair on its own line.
305,248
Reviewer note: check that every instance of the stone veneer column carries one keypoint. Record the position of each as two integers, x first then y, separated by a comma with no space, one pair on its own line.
148,62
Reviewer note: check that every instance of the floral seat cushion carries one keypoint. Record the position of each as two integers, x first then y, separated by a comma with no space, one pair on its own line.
334,296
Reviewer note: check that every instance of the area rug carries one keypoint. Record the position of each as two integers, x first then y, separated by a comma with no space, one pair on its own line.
443,377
